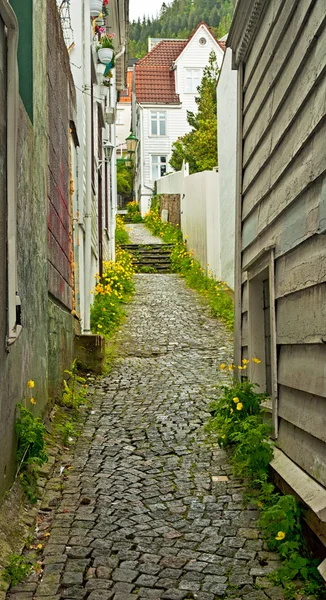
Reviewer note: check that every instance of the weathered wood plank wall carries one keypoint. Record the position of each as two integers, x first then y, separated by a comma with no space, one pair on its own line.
284,205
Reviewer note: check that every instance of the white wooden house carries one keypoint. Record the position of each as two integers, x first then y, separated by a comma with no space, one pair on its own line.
165,88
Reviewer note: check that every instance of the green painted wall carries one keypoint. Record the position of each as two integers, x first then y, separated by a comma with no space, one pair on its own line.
24,13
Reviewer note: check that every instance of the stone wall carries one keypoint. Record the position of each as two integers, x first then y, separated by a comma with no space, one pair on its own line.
171,203
27,358
45,346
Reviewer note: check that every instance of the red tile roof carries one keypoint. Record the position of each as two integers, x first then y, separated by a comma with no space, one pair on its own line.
164,53
155,81
156,85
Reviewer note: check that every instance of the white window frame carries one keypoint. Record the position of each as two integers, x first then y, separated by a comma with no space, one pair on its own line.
157,116
8,16
191,71
159,165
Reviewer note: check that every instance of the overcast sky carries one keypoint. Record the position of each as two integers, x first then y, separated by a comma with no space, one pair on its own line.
138,8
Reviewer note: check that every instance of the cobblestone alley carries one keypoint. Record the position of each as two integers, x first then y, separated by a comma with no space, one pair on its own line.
150,509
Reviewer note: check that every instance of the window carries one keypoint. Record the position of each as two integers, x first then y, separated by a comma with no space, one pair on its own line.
192,80
120,117
158,123
158,166
202,41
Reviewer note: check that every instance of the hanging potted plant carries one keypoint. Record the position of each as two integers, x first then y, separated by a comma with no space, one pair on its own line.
105,8
95,7
105,49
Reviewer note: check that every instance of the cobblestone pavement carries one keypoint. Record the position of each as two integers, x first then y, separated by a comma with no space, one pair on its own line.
139,234
150,509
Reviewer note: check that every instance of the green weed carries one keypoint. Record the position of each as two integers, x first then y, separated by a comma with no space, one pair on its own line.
31,450
238,421
18,569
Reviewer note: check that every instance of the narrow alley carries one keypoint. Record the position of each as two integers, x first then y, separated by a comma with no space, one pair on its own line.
150,509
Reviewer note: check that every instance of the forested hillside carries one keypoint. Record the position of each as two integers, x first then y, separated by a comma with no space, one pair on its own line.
178,19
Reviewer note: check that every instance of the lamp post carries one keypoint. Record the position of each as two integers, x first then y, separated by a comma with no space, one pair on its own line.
132,142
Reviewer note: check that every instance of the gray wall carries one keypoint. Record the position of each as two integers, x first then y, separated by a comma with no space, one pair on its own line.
284,205
27,358
45,346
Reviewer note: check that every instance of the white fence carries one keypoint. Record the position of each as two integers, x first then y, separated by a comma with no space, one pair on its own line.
203,218
200,218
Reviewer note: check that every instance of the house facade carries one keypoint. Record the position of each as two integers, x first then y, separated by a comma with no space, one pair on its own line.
165,88
278,50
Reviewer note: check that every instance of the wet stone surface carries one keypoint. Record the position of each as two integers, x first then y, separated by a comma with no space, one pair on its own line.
139,234
150,509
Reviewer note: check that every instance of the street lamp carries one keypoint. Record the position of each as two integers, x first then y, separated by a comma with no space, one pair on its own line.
132,142
108,148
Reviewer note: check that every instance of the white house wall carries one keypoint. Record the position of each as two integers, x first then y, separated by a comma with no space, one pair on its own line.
123,130
194,56
227,143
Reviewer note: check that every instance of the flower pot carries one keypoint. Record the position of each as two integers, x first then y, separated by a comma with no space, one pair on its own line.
100,22
96,7
105,55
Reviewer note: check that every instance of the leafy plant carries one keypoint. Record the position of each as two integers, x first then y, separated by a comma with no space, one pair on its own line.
106,41
146,269
124,178
238,421
67,431
113,290
31,442
31,450
134,212
121,234
18,569
74,393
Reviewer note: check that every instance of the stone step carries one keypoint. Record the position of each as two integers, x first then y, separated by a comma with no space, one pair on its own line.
147,247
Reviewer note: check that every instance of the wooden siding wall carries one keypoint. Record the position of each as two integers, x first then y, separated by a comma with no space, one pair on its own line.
284,204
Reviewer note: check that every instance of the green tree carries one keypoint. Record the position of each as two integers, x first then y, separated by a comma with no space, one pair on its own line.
178,19
124,179
199,146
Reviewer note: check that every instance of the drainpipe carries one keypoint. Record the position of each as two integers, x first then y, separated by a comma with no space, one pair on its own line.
89,158
114,199
238,228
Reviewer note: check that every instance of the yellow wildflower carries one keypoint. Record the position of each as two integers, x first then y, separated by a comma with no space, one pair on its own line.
230,367
239,406
30,384
256,360
236,400
99,326
32,401
223,366
223,437
281,534
245,361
